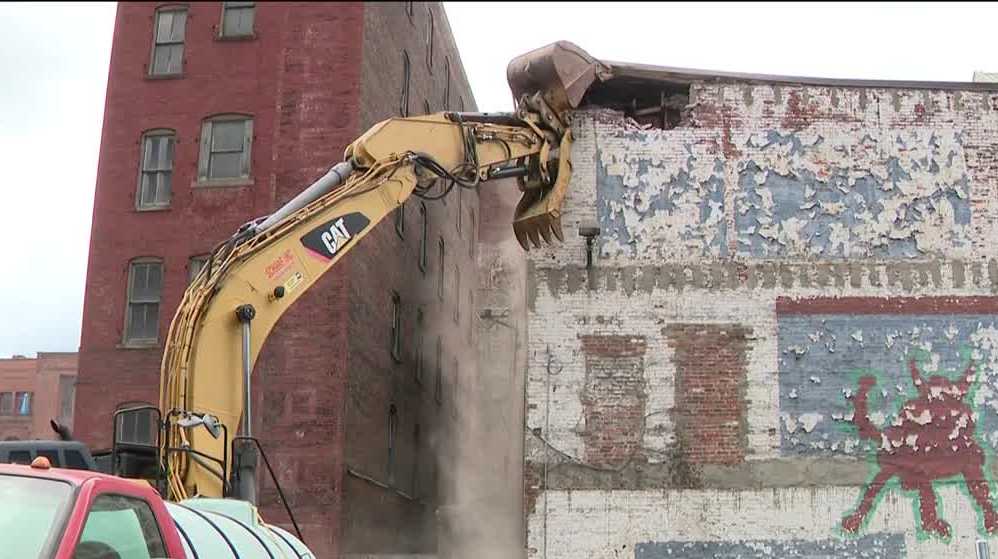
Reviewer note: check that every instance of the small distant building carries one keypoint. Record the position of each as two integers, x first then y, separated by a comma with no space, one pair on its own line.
34,391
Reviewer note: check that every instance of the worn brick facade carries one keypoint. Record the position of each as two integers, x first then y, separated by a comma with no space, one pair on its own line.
773,247
313,77
50,379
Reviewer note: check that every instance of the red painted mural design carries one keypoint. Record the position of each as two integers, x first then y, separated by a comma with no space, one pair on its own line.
931,439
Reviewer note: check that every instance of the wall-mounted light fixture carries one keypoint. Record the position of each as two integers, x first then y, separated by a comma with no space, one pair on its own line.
590,232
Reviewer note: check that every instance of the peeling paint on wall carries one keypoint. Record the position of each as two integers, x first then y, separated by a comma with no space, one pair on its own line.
849,193
879,546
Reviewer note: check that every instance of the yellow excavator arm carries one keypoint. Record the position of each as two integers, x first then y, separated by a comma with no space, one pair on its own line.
251,279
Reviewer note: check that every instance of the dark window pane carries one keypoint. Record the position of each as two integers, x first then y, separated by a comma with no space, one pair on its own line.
19,457
52,455
74,460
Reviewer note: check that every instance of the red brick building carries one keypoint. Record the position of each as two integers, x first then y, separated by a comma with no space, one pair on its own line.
34,391
219,113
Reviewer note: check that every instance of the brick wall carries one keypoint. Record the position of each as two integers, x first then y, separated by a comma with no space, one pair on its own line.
778,247
324,380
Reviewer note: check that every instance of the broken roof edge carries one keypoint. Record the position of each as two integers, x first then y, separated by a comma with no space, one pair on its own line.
687,76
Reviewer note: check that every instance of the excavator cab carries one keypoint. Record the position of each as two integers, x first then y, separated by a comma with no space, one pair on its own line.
135,443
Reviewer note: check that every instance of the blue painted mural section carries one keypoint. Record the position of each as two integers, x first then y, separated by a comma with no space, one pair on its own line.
821,358
845,214
871,546
665,194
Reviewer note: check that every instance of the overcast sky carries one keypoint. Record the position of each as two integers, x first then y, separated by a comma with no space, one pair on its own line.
54,61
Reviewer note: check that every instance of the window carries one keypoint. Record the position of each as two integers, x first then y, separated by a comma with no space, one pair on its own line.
404,101
400,220
22,403
446,82
6,403
457,291
225,149
67,396
429,39
415,461
75,461
145,282
157,169
137,427
424,225
471,236
471,316
419,347
438,391
393,425
426,107
168,42
119,526
237,19
440,278
194,266
396,327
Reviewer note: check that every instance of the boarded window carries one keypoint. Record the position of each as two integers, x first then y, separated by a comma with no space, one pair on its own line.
225,148
155,180
404,100
237,19
396,327
145,282
168,41
6,403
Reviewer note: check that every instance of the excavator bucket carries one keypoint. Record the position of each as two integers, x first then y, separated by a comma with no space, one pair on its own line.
550,81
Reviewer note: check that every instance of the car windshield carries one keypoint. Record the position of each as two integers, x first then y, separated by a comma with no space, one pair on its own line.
30,508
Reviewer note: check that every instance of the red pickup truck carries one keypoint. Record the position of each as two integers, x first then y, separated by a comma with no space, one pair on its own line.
55,513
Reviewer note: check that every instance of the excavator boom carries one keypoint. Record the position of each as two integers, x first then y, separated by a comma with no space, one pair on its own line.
252,278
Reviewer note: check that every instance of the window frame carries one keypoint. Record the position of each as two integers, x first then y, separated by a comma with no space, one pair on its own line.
429,38
9,412
446,82
149,524
203,259
393,426
406,82
241,36
155,133
438,389
168,8
424,238
442,269
126,340
457,289
149,413
420,353
205,152
17,405
396,339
